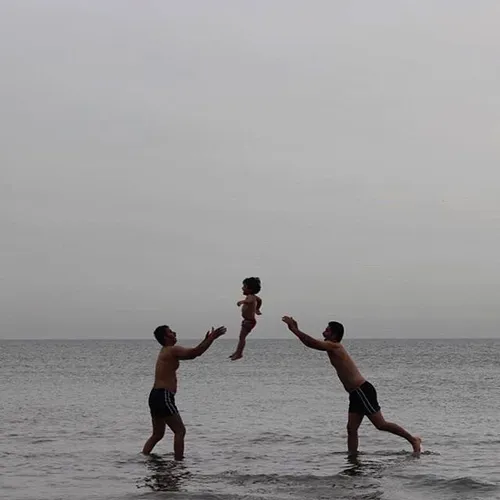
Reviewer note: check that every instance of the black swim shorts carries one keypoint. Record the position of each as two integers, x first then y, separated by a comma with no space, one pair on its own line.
162,403
363,400
247,325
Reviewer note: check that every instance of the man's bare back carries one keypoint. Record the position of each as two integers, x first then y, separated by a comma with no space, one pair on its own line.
347,370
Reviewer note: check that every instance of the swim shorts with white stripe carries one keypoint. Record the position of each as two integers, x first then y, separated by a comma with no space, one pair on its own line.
363,400
162,403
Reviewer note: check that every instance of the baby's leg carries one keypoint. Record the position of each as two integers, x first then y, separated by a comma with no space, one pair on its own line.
245,330
241,345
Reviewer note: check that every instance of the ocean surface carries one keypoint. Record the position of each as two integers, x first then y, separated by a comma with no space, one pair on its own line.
74,418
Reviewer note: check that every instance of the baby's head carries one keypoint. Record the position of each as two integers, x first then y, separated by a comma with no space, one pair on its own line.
251,286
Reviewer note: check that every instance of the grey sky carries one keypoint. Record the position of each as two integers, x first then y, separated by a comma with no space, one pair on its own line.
156,153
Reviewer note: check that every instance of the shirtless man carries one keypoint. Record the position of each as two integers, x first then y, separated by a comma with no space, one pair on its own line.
362,394
162,395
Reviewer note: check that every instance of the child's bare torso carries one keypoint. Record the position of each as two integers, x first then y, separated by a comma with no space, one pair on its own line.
250,309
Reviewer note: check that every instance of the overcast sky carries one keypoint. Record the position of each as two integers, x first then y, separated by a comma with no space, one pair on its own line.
155,153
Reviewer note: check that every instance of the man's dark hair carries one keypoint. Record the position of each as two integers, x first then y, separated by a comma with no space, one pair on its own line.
336,329
253,284
160,333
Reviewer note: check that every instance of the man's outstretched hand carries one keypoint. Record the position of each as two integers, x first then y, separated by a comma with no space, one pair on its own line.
216,333
290,322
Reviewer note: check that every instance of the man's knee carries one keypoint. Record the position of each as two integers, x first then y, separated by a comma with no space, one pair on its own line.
381,425
352,429
158,434
180,431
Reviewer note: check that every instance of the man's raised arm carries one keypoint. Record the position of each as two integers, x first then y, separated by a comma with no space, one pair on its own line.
307,340
193,352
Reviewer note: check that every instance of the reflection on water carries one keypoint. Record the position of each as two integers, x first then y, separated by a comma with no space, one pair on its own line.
355,467
364,478
366,467
163,475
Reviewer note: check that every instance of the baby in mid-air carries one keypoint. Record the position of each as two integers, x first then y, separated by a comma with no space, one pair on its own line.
250,307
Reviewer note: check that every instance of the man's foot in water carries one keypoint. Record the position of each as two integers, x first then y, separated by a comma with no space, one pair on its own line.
417,445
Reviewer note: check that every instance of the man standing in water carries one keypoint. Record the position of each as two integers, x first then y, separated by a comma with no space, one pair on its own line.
362,394
162,396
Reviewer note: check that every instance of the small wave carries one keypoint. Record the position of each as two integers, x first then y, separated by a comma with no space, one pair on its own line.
401,453
387,453
272,437
300,486
237,478
456,485
486,442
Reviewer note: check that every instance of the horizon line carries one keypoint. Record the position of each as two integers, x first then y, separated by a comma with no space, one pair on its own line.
236,338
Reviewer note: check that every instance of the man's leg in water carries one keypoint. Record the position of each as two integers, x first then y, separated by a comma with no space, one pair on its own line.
353,422
158,433
177,427
378,420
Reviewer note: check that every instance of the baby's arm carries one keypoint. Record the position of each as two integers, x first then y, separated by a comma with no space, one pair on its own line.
247,300
259,304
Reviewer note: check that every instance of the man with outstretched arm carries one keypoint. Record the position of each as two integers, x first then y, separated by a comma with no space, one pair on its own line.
162,395
362,394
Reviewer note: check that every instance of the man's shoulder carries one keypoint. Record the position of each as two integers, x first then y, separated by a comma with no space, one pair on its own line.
166,351
333,346
173,350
